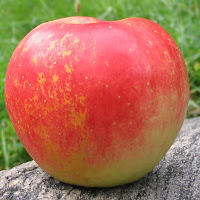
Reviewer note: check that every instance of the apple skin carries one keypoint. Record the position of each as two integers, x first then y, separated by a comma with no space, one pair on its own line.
97,103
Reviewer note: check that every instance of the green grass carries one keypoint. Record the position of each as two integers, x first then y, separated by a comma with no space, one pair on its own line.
180,18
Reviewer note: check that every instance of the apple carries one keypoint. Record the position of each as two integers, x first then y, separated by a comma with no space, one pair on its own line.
97,103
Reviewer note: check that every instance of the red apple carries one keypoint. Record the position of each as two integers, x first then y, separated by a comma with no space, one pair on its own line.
97,103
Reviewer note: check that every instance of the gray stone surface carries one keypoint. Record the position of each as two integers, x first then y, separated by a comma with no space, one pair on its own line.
176,177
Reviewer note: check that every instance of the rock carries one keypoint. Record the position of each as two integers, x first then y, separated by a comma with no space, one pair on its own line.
177,176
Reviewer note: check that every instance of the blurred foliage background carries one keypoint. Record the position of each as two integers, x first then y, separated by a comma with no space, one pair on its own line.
180,18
